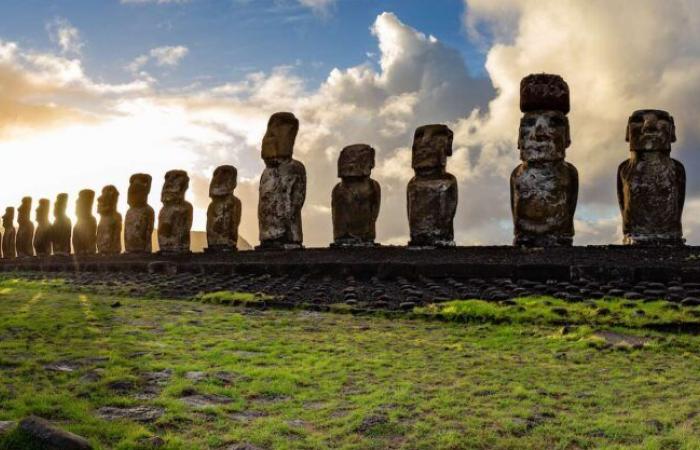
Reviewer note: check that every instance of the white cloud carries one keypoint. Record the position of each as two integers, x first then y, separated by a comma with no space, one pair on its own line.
65,35
321,8
161,56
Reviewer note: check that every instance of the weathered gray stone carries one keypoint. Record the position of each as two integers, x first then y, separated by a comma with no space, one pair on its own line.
282,186
61,227
651,184
25,229
544,188
85,229
175,217
356,199
42,235
46,436
432,192
224,212
9,236
136,413
109,230
140,218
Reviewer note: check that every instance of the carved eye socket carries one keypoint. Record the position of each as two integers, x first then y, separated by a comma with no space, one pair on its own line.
636,119
528,122
557,121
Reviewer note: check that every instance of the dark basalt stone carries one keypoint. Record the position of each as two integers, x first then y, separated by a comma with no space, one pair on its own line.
9,237
85,229
42,235
109,230
61,227
140,218
175,217
224,212
25,229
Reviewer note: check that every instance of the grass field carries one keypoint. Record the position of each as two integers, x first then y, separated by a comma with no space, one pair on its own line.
195,375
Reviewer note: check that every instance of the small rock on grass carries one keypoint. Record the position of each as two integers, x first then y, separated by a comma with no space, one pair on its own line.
44,435
6,427
136,413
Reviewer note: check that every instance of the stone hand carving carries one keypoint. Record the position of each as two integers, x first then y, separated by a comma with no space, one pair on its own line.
140,218
61,227
25,229
42,236
224,212
109,230
85,229
175,217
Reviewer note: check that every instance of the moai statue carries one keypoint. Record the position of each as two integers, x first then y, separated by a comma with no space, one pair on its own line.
25,229
61,227
224,212
42,236
85,229
140,218
282,186
9,250
109,230
355,200
432,193
175,217
544,188
651,184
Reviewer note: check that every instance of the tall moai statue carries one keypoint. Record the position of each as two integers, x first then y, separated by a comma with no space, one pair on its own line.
61,227
9,238
140,218
282,186
544,188
25,229
175,217
356,199
651,184
432,193
42,236
85,229
109,229
224,212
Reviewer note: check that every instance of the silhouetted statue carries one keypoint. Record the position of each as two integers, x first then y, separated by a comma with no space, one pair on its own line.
85,230
651,184
224,212
544,188
356,199
25,229
282,186
61,227
109,230
42,236
9,250
432,193
140,218
175,217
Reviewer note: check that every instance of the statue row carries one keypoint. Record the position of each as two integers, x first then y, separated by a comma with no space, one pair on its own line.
543,192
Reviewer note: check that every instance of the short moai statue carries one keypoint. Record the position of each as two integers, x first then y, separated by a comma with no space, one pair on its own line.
140,218
9,238
224,212
432,194
282,186
25,229
544,187
85,229
356,199
109,229
651,184
42,235
175,217
61,227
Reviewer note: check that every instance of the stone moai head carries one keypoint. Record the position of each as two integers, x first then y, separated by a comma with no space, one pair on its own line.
544,128
107,202
356,161
83,206
650,130
139,188
278,142
60,205
42,211
432,144
25,210
8,219
175,187
223,182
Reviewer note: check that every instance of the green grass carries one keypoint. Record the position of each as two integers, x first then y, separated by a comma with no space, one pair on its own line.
304,380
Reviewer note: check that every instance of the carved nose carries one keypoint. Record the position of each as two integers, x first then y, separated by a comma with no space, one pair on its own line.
649,124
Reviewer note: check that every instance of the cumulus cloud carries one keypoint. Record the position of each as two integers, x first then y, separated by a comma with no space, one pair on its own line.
65,35
161,56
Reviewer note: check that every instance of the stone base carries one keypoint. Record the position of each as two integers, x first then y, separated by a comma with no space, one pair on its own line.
654,240
173,252
220,249
277,245
353,243
543,241
430,243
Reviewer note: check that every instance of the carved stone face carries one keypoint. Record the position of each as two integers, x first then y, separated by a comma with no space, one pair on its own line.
223,182
139,188
107,202
9,218
83,206
356,161
432,144
25,209
42,211
278,142
175,186
544,136
59,207
650,130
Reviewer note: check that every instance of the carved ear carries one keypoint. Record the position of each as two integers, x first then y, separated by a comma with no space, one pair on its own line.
450,138
673,130
627,133
568,134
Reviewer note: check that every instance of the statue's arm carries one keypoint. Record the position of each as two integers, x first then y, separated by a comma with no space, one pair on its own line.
453,196
681,185
620,187
298,193
573,191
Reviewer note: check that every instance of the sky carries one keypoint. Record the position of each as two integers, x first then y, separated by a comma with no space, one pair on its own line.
92,91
